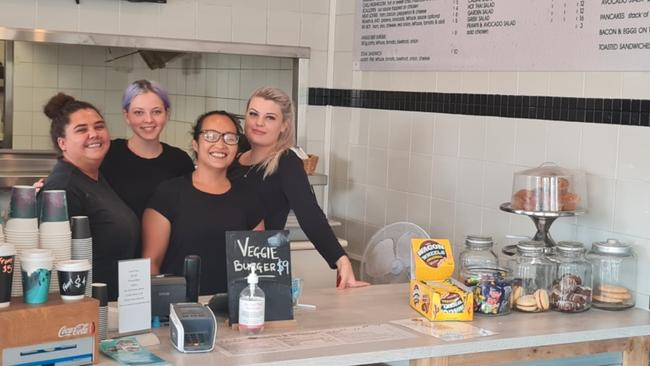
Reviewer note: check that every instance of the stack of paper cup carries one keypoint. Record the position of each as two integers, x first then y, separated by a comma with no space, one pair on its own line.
21,228
82,244
54,230
100,292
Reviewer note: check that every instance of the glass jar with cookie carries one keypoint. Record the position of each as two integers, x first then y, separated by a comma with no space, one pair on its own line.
614,274
532,277
572,287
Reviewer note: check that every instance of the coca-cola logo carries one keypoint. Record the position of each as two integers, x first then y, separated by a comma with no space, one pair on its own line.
77,330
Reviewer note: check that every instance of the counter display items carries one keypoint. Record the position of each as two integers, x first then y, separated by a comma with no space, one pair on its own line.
267,252
614,271
433,293
571,291
251,306
491,287
532,277
545,194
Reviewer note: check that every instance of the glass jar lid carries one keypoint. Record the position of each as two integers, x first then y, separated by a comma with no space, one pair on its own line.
570,247
479,241
489,270
611,246
530,247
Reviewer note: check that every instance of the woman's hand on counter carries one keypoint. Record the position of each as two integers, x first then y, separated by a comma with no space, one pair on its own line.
345,275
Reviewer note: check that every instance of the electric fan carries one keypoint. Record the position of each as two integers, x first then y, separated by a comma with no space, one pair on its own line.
387,258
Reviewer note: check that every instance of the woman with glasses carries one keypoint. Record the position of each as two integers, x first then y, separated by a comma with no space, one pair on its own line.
134,167
271,169
190,214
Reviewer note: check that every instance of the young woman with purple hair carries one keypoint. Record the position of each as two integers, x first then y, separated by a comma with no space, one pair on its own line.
134,167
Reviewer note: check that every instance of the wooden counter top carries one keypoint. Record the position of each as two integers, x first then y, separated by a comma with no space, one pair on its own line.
383,303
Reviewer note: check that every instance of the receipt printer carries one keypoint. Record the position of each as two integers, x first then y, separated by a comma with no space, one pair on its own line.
166,290
192,327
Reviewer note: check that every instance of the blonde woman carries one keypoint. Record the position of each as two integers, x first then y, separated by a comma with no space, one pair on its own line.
271,169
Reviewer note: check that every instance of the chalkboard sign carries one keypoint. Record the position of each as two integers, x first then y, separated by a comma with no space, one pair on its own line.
269,252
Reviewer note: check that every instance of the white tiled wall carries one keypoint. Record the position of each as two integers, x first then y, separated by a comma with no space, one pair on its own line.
449,173
196,83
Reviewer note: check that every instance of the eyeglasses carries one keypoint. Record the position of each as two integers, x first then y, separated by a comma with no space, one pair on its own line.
229,138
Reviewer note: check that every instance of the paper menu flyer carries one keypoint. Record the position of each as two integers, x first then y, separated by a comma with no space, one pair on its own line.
134,295
446,331
127,351
293,341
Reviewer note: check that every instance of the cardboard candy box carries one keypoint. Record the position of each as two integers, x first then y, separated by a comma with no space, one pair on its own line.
433,293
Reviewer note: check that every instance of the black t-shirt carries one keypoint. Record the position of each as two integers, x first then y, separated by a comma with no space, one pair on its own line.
289,188
134,178
114,227
199,221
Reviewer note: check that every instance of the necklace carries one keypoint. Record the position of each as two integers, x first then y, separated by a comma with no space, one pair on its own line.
249,170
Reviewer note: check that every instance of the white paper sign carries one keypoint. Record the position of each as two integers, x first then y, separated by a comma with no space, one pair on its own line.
134,295
293,341
503,35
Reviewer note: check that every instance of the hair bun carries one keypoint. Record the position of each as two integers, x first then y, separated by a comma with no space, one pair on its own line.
56,104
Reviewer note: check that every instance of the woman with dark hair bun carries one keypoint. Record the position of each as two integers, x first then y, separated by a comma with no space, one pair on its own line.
80,135
191,214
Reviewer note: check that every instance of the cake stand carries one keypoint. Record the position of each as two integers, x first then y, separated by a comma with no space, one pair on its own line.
542,220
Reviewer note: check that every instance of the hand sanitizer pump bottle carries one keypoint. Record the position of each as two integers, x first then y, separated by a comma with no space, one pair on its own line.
251,306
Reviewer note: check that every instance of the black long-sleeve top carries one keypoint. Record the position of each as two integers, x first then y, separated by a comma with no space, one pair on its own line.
288,189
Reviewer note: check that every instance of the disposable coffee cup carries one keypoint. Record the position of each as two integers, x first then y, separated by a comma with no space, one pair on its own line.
54,207
100,292
7,258
73,278
80,227
36,268
23,202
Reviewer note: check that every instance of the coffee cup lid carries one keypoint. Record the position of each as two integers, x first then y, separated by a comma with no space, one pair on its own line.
36,254
7,249
73,265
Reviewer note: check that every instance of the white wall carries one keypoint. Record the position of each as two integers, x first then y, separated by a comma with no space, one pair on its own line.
449,173
195,82
282,22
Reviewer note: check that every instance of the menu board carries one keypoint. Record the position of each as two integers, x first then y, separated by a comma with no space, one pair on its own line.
269,253
503,35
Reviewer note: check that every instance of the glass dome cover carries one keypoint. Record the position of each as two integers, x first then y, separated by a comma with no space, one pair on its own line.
549,188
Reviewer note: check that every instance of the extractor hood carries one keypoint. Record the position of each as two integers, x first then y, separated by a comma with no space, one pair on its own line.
158,59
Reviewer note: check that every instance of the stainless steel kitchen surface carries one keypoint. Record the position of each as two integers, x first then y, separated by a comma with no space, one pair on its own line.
21,168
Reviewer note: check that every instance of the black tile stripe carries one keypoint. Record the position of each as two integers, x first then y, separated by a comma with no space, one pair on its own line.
634,112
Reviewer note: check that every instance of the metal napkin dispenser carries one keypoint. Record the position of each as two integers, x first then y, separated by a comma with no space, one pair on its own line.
192,327
166,290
